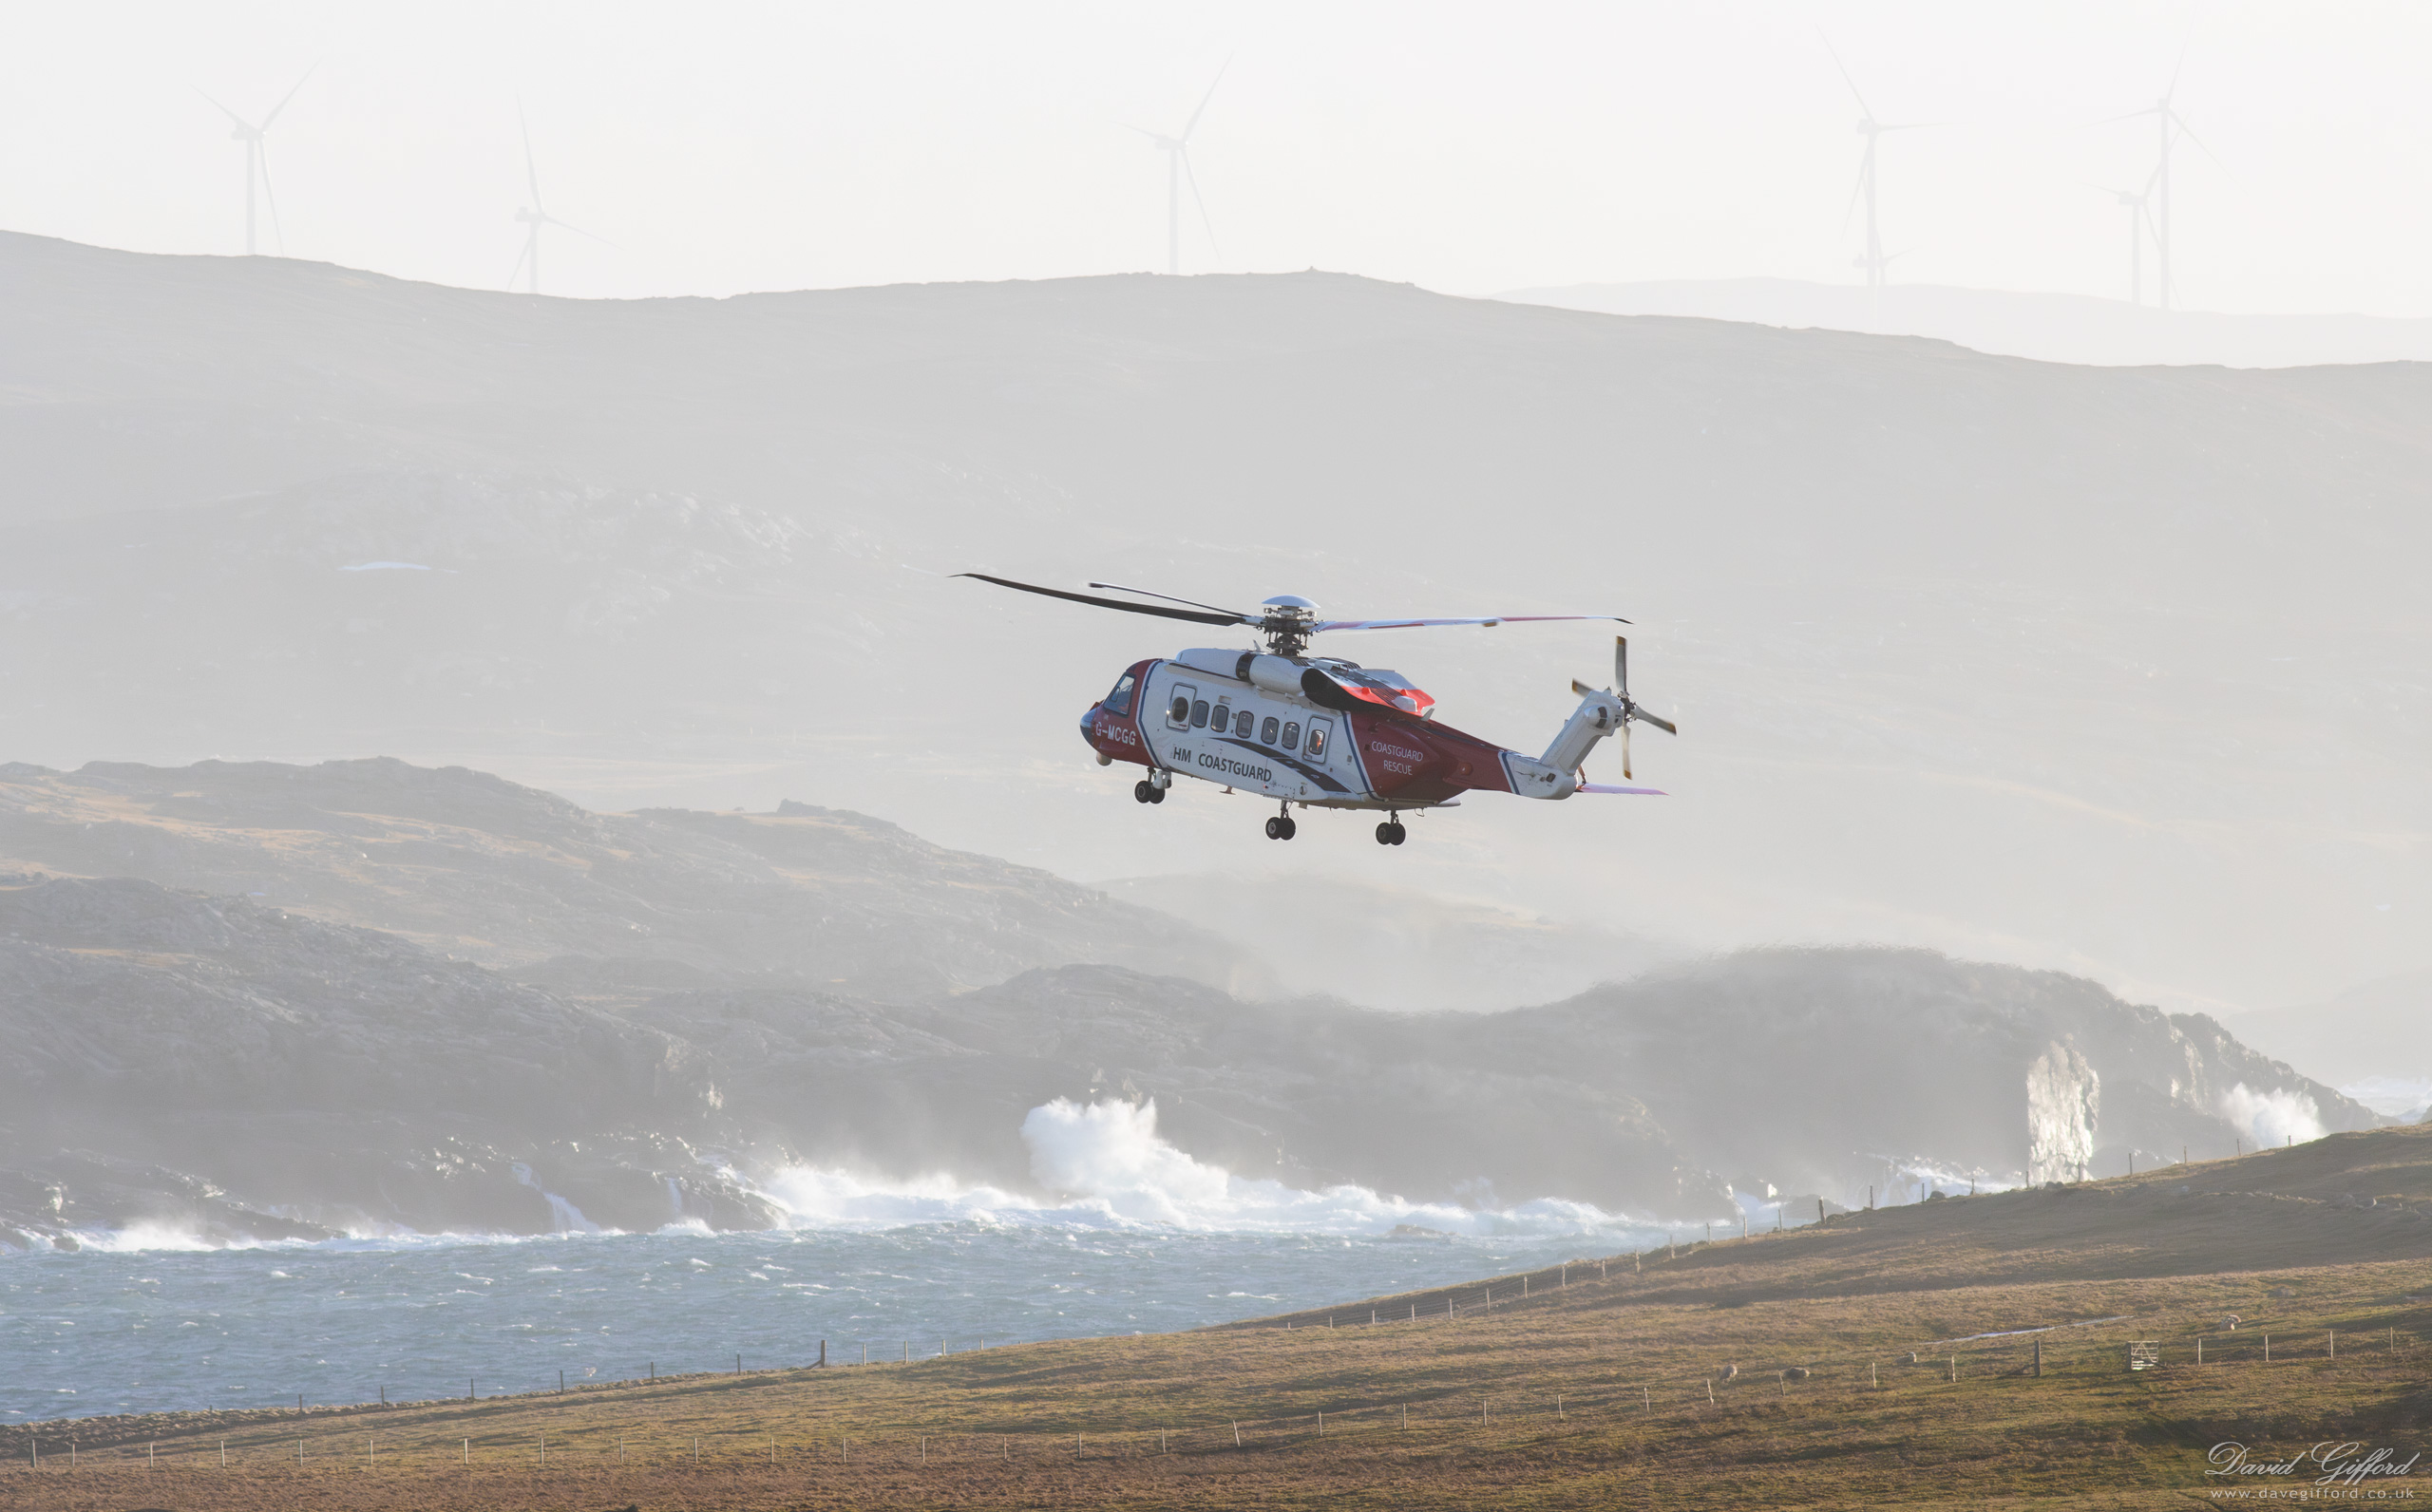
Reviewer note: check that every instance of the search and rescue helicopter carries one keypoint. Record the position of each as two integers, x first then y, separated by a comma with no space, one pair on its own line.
1322,732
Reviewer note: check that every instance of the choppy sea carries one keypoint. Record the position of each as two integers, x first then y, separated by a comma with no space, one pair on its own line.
1151,1240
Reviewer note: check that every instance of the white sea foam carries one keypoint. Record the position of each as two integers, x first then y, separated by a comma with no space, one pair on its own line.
1108,1167
2273,1116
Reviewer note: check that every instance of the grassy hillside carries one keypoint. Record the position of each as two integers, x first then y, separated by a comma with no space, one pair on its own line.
1878,1359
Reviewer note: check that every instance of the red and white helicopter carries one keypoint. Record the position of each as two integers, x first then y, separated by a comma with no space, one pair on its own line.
1322,732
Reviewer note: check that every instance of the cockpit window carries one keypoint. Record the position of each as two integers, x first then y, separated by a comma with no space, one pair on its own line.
1119,702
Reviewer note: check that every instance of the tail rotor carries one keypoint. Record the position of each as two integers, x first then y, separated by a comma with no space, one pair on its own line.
1630,713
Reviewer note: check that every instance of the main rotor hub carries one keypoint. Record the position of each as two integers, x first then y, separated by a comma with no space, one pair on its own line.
1286,624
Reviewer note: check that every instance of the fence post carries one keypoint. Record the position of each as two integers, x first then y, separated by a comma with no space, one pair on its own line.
2039,1356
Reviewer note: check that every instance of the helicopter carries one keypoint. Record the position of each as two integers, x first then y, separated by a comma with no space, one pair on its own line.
1323,732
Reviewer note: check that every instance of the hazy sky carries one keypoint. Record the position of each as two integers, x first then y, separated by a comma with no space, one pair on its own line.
1469,149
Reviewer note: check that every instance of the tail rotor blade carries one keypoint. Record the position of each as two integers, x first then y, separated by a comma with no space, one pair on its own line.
1622,666
1580,690
1657,719
1626,750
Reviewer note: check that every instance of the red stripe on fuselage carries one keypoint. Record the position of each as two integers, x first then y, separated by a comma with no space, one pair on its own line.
1423,762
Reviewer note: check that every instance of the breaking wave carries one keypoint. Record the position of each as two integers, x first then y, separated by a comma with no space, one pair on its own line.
1108,1167
2273,1116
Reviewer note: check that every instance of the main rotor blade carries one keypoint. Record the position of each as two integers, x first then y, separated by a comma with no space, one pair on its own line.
1113,603
1246,619
1657,719
1193,124
282,105
1485,620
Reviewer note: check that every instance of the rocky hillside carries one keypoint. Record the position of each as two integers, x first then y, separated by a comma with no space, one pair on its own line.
1951,636
221,1068
468,864
226,1067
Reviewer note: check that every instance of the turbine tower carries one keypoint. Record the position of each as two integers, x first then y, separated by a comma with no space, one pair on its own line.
1177,151
2136,202
535,216
1874,262
2171,125
258,166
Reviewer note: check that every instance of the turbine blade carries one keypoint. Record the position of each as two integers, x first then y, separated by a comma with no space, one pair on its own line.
225,111
2189,132
2177,68
1868,109
2126,115
518,271
531,173
1201,203
1193,124
1857,189
580,232
290,94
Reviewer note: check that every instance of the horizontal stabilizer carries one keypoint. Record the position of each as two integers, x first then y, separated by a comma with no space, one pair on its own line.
1609,788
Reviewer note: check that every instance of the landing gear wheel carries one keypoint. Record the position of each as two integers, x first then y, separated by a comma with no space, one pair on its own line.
1275,829
1285,828
1142,792
1156,794
1402,832
1392,833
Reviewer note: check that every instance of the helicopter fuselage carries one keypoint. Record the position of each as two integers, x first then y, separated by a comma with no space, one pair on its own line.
1346,737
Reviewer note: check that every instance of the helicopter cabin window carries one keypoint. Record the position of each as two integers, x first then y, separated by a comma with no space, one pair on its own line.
1199,714
1178,714
1291,734
1266,731
1317,738
1242,722
1119,702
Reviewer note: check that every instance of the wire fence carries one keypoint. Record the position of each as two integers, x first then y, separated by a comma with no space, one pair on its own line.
1535,1407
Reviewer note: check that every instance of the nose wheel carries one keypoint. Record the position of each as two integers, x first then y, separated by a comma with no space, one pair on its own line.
1392,833
1144,791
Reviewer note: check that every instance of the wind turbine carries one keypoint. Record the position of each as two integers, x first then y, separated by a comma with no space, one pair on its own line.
535,216
257,164
2139,219
1874,262
1177,151
2171,125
